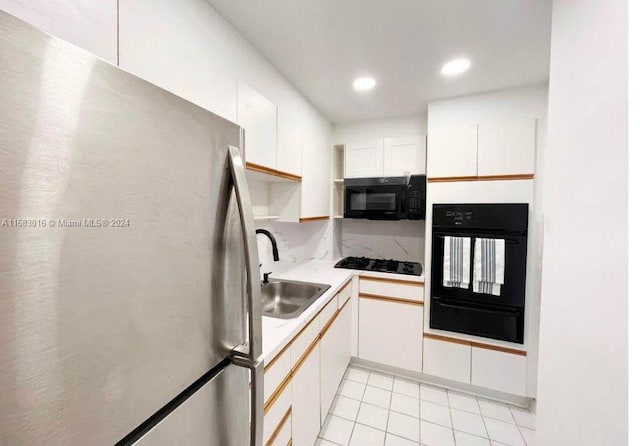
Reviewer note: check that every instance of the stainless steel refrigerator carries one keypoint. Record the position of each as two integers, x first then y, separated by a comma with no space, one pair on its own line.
129,283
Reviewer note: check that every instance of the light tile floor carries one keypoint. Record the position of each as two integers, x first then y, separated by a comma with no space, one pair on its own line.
377,409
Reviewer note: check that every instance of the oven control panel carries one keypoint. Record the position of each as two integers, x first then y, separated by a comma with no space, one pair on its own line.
459,217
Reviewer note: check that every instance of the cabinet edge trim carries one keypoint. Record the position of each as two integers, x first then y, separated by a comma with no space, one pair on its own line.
497,348
305,355
276,393
279,427
398,281
391,299
518,176
308,219
270,171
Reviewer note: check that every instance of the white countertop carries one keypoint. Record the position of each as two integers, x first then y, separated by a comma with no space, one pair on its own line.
276,333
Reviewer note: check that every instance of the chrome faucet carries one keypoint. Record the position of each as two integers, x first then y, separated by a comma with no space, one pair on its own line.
274,249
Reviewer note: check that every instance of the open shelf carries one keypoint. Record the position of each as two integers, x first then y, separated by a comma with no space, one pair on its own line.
265,217
337,178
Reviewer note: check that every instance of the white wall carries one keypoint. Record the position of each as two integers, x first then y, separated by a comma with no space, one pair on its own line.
411,125
91,25
582,396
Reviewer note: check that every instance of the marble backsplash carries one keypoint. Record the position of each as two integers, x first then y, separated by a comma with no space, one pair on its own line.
400,240
297,243
333,239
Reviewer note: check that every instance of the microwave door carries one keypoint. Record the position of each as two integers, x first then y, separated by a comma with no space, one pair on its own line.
379,203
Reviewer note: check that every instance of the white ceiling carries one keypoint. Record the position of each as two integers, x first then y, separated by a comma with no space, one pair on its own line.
322,45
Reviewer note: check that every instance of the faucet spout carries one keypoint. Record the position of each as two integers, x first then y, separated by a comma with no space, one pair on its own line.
272,239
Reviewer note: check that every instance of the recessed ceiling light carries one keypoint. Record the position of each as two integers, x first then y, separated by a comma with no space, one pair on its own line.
455,67
364,83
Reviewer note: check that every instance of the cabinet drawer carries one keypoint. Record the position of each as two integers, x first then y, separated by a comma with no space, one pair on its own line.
276,372
497,370
276,413
327,312
450,360
392,288
344,294
303,340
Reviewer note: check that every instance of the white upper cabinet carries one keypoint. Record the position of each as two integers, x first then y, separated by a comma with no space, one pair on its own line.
507,147
164,52
89,25
315,196
404,156
388,157
364,159
289,157
452,151
258,117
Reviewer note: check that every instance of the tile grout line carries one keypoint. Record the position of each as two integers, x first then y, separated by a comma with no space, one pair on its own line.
420,406
386,427
419,400
453,433
357,413
484,423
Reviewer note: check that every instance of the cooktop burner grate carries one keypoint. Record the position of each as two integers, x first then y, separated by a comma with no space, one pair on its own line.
381,265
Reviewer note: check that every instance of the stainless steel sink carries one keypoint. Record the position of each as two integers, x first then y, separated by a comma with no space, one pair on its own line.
287,299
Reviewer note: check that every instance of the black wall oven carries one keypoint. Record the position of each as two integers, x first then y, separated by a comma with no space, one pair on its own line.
385,198
461,309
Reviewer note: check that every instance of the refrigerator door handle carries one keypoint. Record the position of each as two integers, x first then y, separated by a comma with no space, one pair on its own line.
250,356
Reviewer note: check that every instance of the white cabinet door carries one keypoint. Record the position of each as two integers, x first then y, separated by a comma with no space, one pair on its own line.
452,151
506,372
335,354
162,51
364,159
391,333
404,156
447,360
289,153
89,25
258,117
316,174
305,386
507,147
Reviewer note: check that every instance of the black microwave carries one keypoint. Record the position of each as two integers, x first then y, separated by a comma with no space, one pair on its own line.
386,198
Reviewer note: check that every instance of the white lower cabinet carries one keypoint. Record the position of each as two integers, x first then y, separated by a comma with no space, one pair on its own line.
497,370
275,417
335,354
283,436
306,399
391,333
447,360
482,365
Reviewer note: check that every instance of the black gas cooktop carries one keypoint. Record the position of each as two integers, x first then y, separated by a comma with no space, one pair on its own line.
381,265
